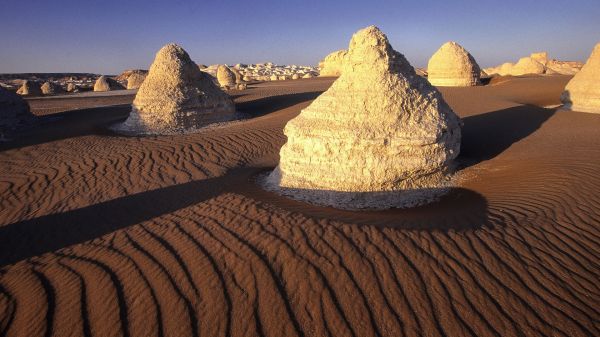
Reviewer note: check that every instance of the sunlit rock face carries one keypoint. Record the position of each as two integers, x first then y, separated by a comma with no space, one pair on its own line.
225,76
176,96
14,113
30,88
135,80
527,66
104,83
582,93
50,88
332,64
453,66
381,136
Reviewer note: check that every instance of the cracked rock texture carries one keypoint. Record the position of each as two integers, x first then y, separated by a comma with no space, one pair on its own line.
582,93
453,66
175,97
381,136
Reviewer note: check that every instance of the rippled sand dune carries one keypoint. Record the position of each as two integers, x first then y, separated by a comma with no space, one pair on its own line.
105,235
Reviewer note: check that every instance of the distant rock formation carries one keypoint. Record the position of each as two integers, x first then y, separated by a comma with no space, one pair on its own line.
50,88
135,80
176,97
71,87
309,75
225,76
453,66
381,136
332,64
104,83
536,63
582,93
238,76
30,88
14,113
526,66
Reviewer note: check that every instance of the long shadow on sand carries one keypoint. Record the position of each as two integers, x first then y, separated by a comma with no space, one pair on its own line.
459,210
267,105
69,124
51,232
487,135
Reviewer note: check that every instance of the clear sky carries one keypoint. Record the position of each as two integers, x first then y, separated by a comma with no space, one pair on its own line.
110,36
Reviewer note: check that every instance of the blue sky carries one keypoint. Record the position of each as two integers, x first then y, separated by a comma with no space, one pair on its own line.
110,36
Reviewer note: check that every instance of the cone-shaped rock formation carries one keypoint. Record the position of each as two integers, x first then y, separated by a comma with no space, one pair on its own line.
135,80
381,136
175,97
582,93
453,66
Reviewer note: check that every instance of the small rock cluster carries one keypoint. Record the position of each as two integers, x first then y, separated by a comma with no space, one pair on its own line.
535,64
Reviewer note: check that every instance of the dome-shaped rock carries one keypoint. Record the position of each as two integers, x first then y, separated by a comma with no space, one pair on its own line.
176,96
135,80
582,93
453,66
104,83
527,66
381,136
225,76
332,64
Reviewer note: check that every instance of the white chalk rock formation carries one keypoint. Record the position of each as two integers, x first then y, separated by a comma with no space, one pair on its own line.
582,93
309,75
30,88
381,136
135,80
225,76
14,113
50,88
527,66
332,64
453,66
71,87
104,83
176,97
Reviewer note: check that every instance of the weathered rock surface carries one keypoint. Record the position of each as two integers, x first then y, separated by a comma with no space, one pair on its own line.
453,66
71,87
50,88
104,83
135,80
225,76
176,97
30,88
381,136
582,93
14,113
333,63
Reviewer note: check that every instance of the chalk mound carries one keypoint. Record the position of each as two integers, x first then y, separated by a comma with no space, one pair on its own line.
50,88
71,87
104,83
381,136
527,66
14,113
582,93
176,97
135,80
225,76
453,66
332,64
30,88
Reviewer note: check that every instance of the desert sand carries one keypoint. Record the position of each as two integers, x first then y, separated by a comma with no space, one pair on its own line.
103,234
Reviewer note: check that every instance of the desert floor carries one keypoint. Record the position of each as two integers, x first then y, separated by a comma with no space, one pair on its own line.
106,235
